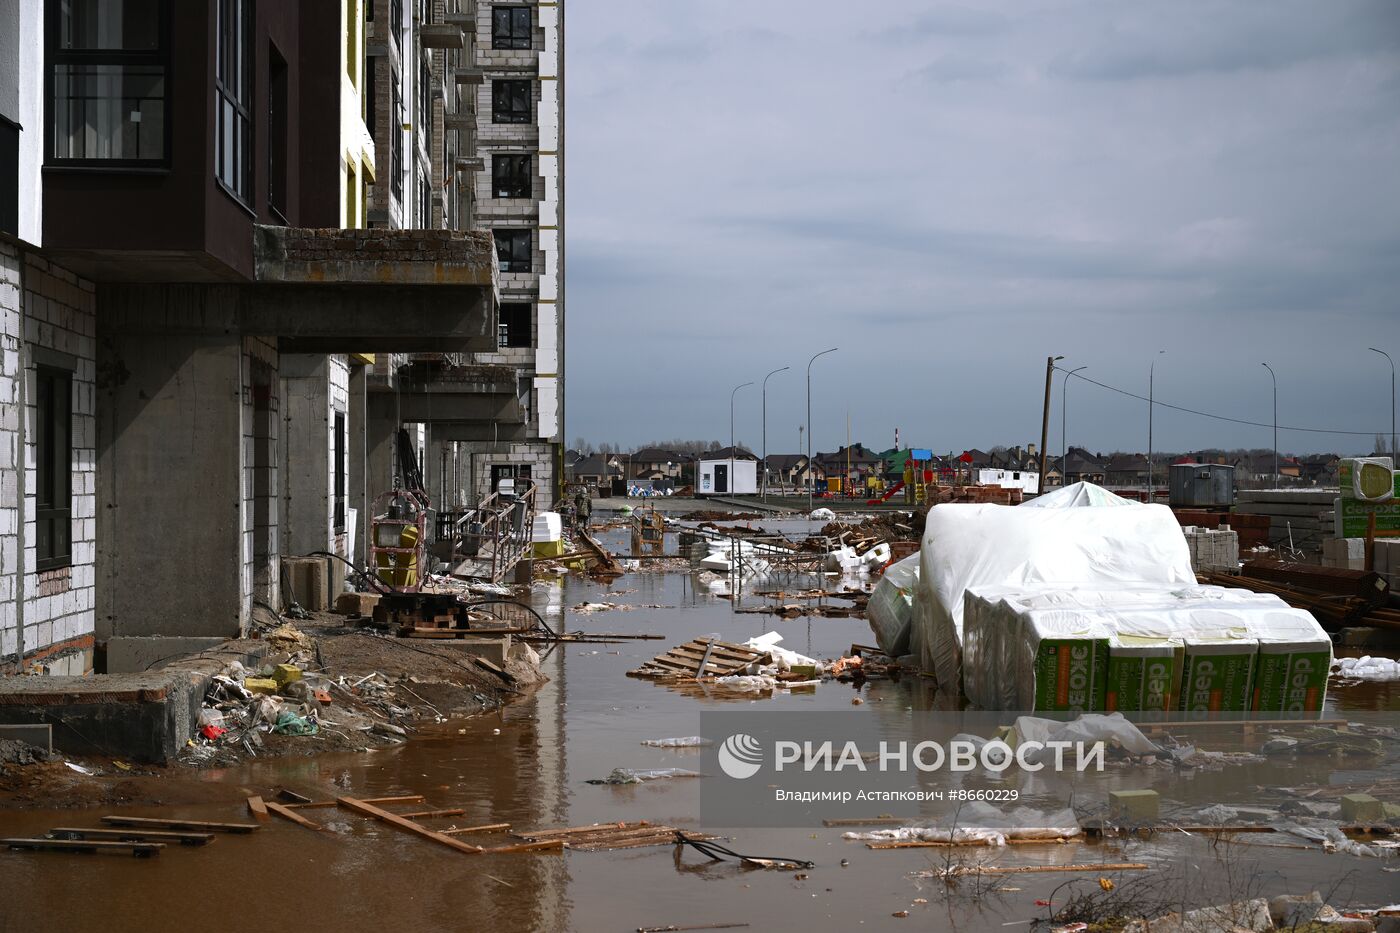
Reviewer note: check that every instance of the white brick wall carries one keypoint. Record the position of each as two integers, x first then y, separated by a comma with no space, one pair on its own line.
44,308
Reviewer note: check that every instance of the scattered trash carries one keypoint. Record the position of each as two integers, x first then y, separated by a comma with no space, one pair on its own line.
1366,668
79,768
690,741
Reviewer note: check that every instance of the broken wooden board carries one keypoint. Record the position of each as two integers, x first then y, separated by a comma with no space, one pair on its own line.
720,659
432,814
149,822
327,804
600,836
365,808
85,845
488,828
131,835
258,809
292,816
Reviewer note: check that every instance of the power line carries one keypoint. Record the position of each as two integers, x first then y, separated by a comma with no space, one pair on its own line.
1206,414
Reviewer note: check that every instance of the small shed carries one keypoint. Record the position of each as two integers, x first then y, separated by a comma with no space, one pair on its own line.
727,477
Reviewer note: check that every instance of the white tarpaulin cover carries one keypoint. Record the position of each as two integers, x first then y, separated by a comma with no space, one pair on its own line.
967,546
1075,495
891,606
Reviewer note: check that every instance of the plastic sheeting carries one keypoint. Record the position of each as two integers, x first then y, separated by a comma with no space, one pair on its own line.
1092,727
891,607
1367,668
995,545
1006,631
1076,495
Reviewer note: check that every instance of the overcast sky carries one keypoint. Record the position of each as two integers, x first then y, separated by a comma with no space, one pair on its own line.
951,192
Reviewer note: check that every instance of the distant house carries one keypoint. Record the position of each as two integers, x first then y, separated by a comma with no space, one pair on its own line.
790,470
593,470
858,459
1320,469
653,463
1126,470
1080,466
1258,470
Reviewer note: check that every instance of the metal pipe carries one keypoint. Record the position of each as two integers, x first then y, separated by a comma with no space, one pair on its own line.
1064,418
1394,451
1151,377
730,479
809,423
765,429
1275,380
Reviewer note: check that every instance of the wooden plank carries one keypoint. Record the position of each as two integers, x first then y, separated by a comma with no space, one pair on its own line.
292,816
1018,869
85,845
131,835
326,804
550,845
974,843
148,822
364,808
868,821
432,814
258,809
488,828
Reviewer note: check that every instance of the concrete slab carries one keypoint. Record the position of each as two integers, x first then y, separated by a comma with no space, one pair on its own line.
494,650
134,654
144,716
40,736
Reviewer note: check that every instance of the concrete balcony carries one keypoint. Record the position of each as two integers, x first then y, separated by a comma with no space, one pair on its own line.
468,75
441,36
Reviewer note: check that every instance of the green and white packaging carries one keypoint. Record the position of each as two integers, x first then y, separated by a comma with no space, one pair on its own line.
1142,674
1217,674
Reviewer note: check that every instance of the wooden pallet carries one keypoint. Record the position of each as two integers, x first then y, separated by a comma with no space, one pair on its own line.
717,658
597,837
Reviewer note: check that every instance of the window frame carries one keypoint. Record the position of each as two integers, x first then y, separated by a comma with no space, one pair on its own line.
508,335
511,41
526,182
242,107
54,57
47,461
278,133
396,163
507,264
500,89
341,472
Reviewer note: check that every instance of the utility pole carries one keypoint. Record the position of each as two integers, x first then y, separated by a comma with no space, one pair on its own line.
765,428
1275,380
809,423
1394,451
1045,421
730,482
1151,376
1064,419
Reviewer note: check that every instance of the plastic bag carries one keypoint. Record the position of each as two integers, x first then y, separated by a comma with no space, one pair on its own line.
1091,727
289,723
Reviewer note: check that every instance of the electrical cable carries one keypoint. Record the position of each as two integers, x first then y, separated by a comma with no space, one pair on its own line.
719,853
1206,414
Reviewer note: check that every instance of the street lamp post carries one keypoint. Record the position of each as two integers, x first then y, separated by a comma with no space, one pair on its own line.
730,490
809,423
765,428
1275,381
1394,451
1064,419
1151,377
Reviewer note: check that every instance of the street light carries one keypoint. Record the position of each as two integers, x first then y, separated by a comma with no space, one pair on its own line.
809,423
1151,376
765,428
730,490
1394,452
1064,418
1275,379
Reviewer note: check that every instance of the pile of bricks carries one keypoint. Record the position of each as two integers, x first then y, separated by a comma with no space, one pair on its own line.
1213,549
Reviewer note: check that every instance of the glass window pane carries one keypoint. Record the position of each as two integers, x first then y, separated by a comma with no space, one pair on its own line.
109,112
133,25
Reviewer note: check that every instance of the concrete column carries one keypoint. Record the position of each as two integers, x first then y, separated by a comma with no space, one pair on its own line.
381,430
356,455
306,454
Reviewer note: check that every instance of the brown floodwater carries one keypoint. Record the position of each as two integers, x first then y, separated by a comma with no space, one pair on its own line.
529,765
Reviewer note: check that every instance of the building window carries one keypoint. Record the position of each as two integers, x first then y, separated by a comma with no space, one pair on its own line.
233,95
396,22
277,132
53,461
510,101
510,176
510,27
513,249
396,143
340,475
107,82
370,76
515,324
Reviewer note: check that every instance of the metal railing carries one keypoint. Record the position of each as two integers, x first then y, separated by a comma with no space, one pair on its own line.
489,540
